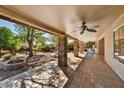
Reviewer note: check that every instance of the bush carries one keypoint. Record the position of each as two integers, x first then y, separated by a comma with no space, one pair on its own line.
70,46
7,56
46,48
35,49
52,46
90,44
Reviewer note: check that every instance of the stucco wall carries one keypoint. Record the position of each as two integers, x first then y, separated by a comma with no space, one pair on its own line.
108,35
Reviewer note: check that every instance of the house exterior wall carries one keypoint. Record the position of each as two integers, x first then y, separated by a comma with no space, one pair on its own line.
117,66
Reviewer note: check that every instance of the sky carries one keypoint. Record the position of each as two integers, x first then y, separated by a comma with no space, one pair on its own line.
8,24
11,26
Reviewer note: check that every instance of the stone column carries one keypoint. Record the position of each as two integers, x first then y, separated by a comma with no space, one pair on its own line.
81,47
76,48
62,51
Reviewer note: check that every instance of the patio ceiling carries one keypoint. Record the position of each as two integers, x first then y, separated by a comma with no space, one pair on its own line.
67,18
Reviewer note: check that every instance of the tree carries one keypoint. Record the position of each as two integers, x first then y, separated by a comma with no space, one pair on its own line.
39,39
90,44
16,44
28,34
54,39
6,37
31,35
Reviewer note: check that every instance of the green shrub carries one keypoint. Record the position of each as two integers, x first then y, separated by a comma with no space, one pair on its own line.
35,49
90,44
70,46
46,48
7,56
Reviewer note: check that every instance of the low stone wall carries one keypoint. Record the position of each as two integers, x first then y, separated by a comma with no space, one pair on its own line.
15,66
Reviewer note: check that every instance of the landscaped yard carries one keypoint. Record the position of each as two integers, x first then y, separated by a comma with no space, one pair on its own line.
39,72
7,70
29,58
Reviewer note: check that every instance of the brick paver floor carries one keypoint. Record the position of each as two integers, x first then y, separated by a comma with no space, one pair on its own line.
93,72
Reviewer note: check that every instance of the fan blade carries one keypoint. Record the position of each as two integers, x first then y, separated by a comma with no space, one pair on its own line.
75,31
96,26
81,32
83,22
91,30
78,27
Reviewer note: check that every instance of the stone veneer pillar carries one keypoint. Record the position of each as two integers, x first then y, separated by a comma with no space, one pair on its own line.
62,51
81,47
76,47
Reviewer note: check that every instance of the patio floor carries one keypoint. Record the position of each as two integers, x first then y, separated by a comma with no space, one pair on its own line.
93,72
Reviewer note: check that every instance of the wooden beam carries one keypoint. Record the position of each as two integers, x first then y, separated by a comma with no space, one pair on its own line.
17,17
72,37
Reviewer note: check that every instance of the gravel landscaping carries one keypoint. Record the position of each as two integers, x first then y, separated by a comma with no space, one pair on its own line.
48,75
33,62
41,71
73,61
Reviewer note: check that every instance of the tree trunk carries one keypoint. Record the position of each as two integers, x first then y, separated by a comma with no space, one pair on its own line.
30,49
30,36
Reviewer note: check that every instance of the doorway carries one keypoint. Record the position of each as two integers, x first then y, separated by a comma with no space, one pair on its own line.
101,47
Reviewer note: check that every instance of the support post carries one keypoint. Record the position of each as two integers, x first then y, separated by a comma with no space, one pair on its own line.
81,47
62,51
76,48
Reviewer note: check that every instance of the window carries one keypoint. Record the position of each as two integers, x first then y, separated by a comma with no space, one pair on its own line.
119,44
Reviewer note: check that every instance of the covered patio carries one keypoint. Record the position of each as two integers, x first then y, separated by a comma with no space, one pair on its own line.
93,68
93,72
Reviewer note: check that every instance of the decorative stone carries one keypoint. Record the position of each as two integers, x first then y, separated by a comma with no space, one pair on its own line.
38,77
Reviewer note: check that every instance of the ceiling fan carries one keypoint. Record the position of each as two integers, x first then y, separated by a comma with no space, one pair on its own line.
84,27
